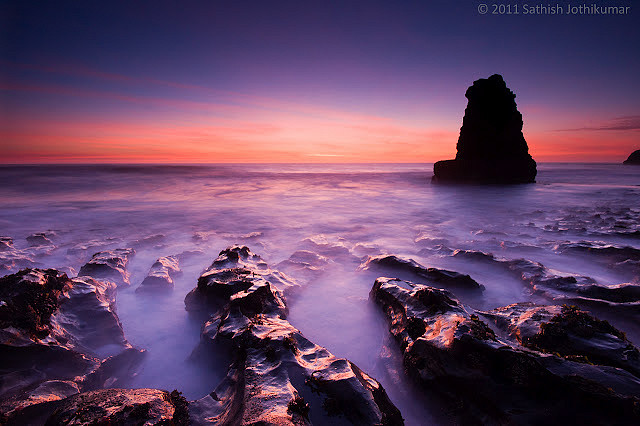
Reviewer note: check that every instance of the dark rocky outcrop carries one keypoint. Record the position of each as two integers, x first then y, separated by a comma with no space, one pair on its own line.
122,407
234,272
431,276
487,378
573,288
40,239
624,259
634,158
276,376
109,265
567,331
58,336
491,147
160,276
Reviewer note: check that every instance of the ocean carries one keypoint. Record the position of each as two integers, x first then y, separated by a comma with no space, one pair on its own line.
343,212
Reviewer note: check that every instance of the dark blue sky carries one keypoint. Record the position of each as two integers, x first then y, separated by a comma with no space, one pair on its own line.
407,63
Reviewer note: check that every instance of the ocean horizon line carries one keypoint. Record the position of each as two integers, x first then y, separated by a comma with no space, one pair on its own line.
266,163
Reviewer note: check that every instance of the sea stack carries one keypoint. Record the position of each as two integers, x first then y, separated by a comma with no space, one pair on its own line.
491,147
634,158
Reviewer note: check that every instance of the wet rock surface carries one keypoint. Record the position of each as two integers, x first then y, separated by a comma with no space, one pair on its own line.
491,147
625,259
58,336
431,276
160,276
276,376
14,259
109,265
488,378
567,331
634,158
6,243
558,287
40,239
236,270
123,407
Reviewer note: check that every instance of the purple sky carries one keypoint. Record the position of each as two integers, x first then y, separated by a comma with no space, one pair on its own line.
305,81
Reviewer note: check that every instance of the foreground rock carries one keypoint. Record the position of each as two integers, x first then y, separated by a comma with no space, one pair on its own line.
431,276
123,406
160,276
109,265
492,379
567,331
58,336
572,288
277,376
634,158
491,147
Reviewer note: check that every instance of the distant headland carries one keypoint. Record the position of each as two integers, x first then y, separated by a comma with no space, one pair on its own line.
634,158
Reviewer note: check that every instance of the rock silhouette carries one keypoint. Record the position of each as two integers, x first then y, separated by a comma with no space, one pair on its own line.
491,147
634,158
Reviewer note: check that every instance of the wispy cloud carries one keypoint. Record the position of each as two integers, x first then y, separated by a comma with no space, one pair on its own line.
196,123
631,122
215,97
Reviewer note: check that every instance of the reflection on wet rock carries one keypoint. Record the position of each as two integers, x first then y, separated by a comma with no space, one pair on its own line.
110,265
54,329
431,276
484,377
276,376
160,276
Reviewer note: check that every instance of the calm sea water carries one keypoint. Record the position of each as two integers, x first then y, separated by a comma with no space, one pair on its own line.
344,211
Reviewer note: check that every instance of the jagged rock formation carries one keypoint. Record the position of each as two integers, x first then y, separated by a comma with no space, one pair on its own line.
561,374
109,265
567,331
573,288
491,147
431,276
160,276
625,259
634,158
277,376
233,273
123,407
58,336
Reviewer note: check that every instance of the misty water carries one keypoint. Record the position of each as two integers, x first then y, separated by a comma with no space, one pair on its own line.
342,212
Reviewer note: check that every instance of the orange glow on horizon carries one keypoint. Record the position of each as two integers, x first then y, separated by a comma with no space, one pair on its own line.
231,127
